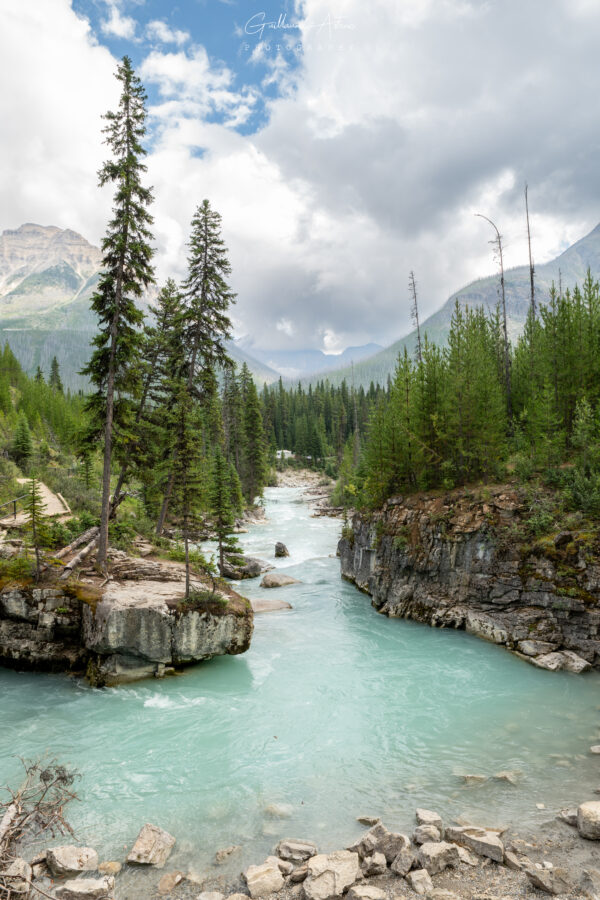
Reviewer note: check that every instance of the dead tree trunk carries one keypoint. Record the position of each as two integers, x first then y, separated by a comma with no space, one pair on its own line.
412,284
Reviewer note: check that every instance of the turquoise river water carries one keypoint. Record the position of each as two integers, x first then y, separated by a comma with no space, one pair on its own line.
334,712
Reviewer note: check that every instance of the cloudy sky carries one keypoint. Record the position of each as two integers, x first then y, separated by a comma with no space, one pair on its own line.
344,143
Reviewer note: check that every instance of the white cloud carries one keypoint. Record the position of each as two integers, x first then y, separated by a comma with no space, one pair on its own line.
160,31
117,24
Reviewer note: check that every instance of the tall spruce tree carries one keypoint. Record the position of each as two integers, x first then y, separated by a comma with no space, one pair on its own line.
126,272
223,482
255,467
22,447
34,508
205,321
55,380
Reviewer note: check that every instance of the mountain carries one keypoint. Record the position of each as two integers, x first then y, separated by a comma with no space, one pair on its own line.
294,364
570,268
47,278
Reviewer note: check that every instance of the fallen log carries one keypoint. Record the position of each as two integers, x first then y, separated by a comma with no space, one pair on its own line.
86,536
79,558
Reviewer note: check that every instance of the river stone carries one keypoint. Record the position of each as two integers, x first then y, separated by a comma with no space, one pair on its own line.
374,865
17,877
368,820
170,880
277,579
222,855
552,881
588,820
379,840
480,841
569,816
403,862
435,856
420,881
511,861
427,817
71,860
152,847
595,749
263,880
299,874
535,648
330,874
365,892
86,889
473,779
590,883
562,660
425,833
279,810
296,850
212,895
281,550
284,866
110,867
510,777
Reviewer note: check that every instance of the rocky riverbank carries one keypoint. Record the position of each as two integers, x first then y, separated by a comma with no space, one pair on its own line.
317,489
463,560
438,861
135,626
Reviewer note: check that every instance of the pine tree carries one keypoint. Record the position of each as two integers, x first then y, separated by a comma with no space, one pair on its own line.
205,322
222,511
39,375
34,507
254,466
22,448
54,381
126,273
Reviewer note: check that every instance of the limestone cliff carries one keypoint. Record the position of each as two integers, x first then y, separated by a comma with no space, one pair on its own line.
135,627
462,561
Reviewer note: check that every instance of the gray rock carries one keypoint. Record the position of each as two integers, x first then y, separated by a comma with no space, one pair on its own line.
435,856
374,865
16,878
468,858
510,777
281,550
427,817
365,892
535,648
86,889
263,880
299,874
595,749
296,850
225,853
210,895
552,881
71,860
250,567
380,840
277,579
368,820
588,820
403,862
590,883
420,881
562,660
569,816
329,875
110,867
512,861
152,847
284,865
473,779
170,880
480,841
425,833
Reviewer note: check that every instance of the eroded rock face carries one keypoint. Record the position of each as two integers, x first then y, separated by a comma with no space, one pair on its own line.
40,629
447,561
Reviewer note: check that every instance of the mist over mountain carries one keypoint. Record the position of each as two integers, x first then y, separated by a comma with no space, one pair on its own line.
293,364
569,268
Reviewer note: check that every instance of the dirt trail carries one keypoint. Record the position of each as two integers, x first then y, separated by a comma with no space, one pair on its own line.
56,506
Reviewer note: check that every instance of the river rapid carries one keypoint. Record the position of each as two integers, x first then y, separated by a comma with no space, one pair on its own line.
334,712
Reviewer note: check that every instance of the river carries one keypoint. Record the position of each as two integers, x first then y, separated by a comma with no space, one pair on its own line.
334,712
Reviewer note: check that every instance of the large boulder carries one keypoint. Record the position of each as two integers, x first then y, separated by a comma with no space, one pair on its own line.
263,880
424,833
281,550
329,875
86,889
551,881
277,579
379,839
480,841
152,847
241,567
562,660
403,862
588,820
296,850
374,865
427,817
437,856
71,860
420,881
